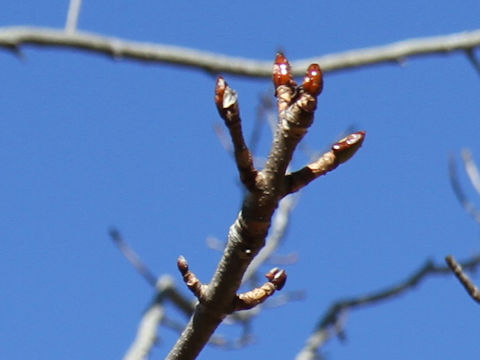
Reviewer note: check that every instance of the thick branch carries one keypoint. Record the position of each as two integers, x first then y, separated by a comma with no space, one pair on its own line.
279,227
13,38
333,317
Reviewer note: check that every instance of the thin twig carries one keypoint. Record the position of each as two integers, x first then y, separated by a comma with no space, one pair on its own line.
472,290
340,152
473,59
333,318
227,105
460,194
72,16
117,48
471,169
133,258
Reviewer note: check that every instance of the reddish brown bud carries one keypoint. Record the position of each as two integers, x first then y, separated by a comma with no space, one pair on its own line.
182,264
271,274
225,97
220,87
313,81
282,74
277,277
348,146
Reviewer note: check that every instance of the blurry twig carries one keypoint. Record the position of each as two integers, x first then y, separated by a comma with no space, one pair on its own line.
457,189
473,59
147,329
118,48
332,323
72,16
133,258
155,315
463,278
471,169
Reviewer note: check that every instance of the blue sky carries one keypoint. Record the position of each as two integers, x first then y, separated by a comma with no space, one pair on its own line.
87,143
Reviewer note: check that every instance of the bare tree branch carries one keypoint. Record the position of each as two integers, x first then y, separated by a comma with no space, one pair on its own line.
472,290
334,318
148,327
12,38
296,107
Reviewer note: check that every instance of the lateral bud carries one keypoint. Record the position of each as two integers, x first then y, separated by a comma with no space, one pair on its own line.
277,277
348,146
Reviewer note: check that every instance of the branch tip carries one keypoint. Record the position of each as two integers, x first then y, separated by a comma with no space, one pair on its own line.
277,277
348,146
276,281
182,264
313,81
282,72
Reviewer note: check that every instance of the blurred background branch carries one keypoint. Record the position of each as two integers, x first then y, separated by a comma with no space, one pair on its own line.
12,38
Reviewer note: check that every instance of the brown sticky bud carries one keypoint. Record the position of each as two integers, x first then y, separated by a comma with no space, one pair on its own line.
277,277
280,279
282,74
225,98
182,265
313,81
220,87
348,146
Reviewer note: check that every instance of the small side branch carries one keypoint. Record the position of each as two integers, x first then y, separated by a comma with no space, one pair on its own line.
473,59
252,298
132,257
72,16
468,284
227,105
341,152
191,280
333,322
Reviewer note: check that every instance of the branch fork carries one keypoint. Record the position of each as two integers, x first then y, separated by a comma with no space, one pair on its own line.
265,188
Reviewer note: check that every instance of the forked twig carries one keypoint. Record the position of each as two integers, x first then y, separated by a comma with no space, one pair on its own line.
332,323
265,188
